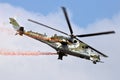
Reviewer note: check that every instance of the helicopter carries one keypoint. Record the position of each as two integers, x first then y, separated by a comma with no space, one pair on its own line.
64,46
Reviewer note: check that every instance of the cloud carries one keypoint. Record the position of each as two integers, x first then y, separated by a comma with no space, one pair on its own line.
47,67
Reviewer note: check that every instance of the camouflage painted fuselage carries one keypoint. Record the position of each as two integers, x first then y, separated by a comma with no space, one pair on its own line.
63,46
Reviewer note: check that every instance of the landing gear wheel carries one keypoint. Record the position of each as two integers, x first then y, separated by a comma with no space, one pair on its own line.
94,62
60,56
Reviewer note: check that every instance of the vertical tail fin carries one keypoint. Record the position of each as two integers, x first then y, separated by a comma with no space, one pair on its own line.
16,26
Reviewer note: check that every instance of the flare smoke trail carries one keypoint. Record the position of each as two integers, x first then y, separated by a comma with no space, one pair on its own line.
23,53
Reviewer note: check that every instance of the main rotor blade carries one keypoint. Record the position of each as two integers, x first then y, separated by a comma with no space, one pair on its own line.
47,26
96,34
67,19
93,49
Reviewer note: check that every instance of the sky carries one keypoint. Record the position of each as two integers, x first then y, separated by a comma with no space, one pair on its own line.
85,17
83,12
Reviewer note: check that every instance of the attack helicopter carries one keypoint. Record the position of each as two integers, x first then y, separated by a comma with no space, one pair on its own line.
64,46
